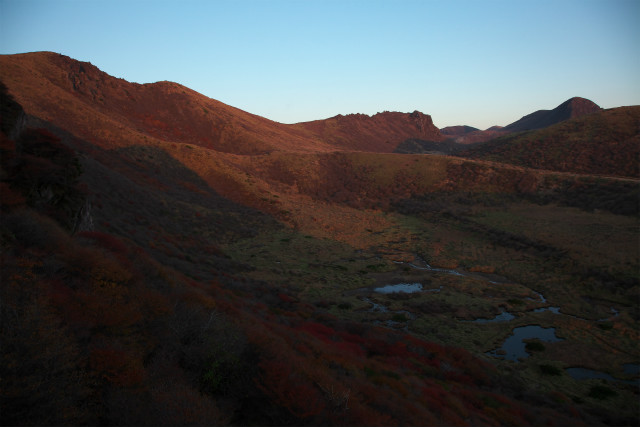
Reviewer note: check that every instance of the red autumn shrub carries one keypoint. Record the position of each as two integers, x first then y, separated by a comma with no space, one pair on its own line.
290,389
105,240
117,366
318,330
349,349
10,198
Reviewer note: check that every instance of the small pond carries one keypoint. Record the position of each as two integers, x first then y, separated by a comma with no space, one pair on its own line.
555,310
513,347
407,288
586,374
631,368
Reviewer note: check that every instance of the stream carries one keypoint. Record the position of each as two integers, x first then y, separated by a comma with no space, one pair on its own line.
491,278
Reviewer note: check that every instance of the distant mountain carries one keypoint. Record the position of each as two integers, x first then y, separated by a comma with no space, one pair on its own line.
606,142
451,131
570,109
457,137
477,136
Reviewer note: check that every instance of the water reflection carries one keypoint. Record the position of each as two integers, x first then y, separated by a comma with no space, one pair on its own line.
631,368
586,374
513,347
407,288
555,310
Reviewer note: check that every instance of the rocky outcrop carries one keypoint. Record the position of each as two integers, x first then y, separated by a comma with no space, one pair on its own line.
382,132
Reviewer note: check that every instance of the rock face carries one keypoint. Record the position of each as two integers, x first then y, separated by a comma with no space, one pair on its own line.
382,132
570,109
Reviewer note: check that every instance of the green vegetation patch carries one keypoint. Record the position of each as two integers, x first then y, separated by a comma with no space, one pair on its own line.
601,392
547,369
534,346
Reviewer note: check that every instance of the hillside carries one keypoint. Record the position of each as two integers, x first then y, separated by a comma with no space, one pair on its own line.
603,143
170,260
113,112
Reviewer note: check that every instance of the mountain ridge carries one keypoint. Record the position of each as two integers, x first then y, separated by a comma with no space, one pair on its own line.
83,97
161,109
114,113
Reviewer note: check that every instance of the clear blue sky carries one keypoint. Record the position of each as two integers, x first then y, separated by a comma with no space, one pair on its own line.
479,63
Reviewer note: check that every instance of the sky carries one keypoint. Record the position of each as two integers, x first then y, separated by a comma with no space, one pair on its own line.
477,63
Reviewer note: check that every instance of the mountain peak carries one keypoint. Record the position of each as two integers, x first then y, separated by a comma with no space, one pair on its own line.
571,108
577,107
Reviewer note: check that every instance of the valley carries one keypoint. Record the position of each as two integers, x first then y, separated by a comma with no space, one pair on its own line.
184,262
